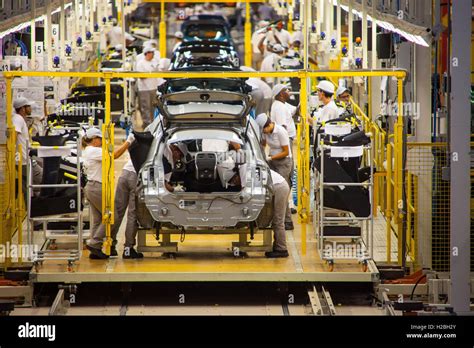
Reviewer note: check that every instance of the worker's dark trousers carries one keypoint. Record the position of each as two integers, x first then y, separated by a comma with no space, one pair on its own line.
125,194
284,167
146,106
280,204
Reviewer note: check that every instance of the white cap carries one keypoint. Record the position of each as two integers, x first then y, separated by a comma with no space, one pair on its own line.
326,86
114,21
93,133
278,48
246,68
118,47
179,35
20,102
277,89
261,120
148,49
341,90
129,37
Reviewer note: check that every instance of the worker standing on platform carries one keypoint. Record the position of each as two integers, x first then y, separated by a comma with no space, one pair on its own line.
261,92
282,112
279,35
93,158
281,191
272,62
328,111
147,87
22,108
125,196
343,101
280,157
257,49
179,36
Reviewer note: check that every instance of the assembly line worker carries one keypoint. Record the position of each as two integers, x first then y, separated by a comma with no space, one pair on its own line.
141,56
125,195
257,51
343,101
179,36
272,62
279,36
92,156
264,97
282,112
328,111
114,36
172,154
281,191
280,157
147,87
22,108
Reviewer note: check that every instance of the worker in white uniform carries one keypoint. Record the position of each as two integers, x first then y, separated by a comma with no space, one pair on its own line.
282,112
280,156
328,111
343,101
261,92
279,35
281,191
22,108
156,56
178,36
115,35
272,62
257,39
147,86
125,197
92,156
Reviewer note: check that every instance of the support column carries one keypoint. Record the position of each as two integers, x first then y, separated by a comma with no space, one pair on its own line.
248,35
460,126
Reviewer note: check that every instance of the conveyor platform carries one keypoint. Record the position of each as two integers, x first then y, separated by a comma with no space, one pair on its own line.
206,258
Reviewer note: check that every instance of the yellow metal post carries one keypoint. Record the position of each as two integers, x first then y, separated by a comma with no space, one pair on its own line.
107,168
10,212
19,203
163,31
303,163
248,35
399,169
388,211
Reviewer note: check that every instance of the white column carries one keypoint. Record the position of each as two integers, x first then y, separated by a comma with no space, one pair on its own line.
338,25
48,36
33,35
350,30
365,39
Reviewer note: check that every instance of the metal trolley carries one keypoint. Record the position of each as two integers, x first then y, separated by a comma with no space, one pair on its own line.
341,233
72,216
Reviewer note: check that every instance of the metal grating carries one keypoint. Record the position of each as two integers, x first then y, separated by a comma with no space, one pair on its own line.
430,197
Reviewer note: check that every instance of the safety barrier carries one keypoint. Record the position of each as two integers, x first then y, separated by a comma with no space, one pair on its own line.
302,143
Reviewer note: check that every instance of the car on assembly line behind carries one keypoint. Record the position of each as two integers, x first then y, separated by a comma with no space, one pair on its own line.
205,116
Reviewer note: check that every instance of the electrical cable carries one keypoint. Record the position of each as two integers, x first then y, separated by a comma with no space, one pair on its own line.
416,284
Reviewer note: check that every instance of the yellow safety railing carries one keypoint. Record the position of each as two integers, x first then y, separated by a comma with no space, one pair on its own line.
302,139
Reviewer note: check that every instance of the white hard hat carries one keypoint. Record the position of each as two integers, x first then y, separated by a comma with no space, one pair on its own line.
148,49
277,89
119,47
20,102
179,35
246,68
278,48
261,120
341,90
326,86
93,133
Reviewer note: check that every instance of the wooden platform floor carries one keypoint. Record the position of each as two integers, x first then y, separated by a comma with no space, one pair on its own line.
210,258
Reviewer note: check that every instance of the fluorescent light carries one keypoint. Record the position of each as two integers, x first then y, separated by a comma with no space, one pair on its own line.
417,39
